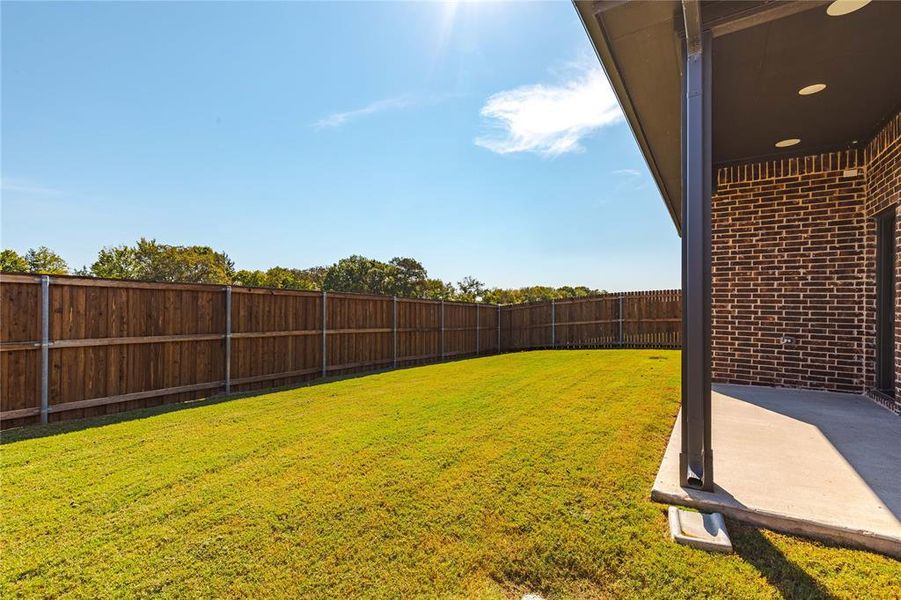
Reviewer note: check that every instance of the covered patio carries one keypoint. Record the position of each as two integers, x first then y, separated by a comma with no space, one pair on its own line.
819,464
772,129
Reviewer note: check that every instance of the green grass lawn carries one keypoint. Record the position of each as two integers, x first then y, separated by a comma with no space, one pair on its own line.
481,478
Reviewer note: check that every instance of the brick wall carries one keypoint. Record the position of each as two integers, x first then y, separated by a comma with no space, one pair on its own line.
883,160
794,257
789,261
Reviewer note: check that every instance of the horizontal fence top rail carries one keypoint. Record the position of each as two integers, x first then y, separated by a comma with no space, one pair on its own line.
213,287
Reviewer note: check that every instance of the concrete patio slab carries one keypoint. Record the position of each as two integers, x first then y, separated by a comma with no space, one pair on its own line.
817,464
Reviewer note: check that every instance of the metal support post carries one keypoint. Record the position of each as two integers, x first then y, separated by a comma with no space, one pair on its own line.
696,457
394,330
324,332
45,347
442,330
553,324
477,329
621,318
228,339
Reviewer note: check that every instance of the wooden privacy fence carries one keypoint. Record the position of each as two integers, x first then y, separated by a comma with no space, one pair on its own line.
77,347
626,320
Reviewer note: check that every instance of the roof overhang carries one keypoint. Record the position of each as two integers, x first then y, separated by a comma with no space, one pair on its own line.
639,46
764,52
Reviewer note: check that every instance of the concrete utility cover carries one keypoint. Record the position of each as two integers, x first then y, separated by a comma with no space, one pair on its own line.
706,531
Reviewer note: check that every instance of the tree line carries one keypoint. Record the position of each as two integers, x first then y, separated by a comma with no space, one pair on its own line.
149,260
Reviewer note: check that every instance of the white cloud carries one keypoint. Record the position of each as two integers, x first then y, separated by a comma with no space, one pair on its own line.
550,119
629,172
341,118
23,186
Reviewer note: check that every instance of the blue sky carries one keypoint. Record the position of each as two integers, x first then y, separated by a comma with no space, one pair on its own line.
479,138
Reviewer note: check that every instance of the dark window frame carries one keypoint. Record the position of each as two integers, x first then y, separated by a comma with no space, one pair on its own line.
886,259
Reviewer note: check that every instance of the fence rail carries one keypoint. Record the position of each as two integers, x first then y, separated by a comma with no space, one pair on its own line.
78,347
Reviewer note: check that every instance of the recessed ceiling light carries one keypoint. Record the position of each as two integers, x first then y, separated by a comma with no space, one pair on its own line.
812,89
843,7
787,143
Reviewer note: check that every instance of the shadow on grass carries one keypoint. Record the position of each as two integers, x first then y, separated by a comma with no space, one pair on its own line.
787,577
30,432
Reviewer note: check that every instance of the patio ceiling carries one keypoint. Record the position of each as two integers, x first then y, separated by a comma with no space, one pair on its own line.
763,54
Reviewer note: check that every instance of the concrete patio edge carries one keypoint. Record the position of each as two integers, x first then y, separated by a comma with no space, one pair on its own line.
865,540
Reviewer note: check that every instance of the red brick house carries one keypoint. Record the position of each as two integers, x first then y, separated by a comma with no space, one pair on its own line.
772,129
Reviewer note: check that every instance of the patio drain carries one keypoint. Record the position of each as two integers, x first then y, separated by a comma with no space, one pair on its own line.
706,531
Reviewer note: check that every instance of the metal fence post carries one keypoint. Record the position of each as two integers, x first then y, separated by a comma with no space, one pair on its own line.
324,332
498,328
442,330
45,347
228,339
621,339
394,330
477,329
553,324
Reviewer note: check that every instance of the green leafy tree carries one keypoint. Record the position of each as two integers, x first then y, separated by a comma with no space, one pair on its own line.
401,276
151,261
359,274
501,296
409,277
537,293
45,261
247,278
289,279
12,262
282,278
191,264
314,275
117,262
435,289
470,289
